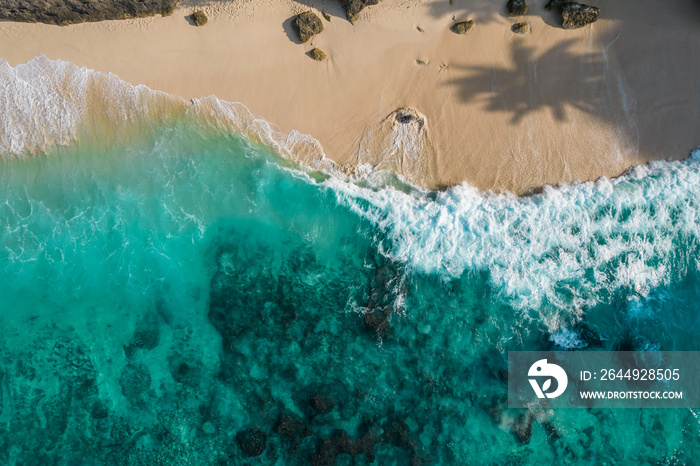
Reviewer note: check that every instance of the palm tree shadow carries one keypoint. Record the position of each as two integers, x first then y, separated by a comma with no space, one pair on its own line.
533,82
330,7
485,11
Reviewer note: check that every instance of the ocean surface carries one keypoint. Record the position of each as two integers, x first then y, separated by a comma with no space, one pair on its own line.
176,288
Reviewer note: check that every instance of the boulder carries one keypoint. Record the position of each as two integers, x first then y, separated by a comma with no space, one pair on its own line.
318,54
405,116
306,25
251,441
199,18
576,15
353,7
62,12
516,7
462,27
521,28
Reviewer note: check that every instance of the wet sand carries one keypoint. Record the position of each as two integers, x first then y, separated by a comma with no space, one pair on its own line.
498,110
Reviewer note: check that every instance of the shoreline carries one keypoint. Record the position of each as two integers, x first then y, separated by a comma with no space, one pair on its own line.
500,111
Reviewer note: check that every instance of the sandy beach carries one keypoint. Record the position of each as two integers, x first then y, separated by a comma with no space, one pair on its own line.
499,110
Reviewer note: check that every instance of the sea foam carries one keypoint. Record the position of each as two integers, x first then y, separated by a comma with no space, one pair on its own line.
554,254
45,103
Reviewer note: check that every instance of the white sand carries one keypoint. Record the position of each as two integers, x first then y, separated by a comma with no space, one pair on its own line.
501,111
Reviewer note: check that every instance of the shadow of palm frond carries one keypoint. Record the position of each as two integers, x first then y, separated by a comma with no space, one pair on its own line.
484,11
535,81
331,7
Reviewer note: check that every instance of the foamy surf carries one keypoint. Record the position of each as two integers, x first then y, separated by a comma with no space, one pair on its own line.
46,103
552,256
169,294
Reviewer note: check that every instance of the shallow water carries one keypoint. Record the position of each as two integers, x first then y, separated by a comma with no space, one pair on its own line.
185,297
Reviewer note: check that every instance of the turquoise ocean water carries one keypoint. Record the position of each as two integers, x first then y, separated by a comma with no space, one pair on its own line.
187,296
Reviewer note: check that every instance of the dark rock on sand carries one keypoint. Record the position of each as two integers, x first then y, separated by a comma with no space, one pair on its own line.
462,27
405,116
516,7
521,28
62,12
318,54
306,25
576,15
326,16
199,18
252,441
353,7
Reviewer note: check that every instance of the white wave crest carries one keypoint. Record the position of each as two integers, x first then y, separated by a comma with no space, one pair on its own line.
555,254
45,103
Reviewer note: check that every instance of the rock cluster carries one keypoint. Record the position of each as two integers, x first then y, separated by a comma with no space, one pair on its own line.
353,7
516,7
306,25
69,12
520,28
199,18
574,15
462,27
318,54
